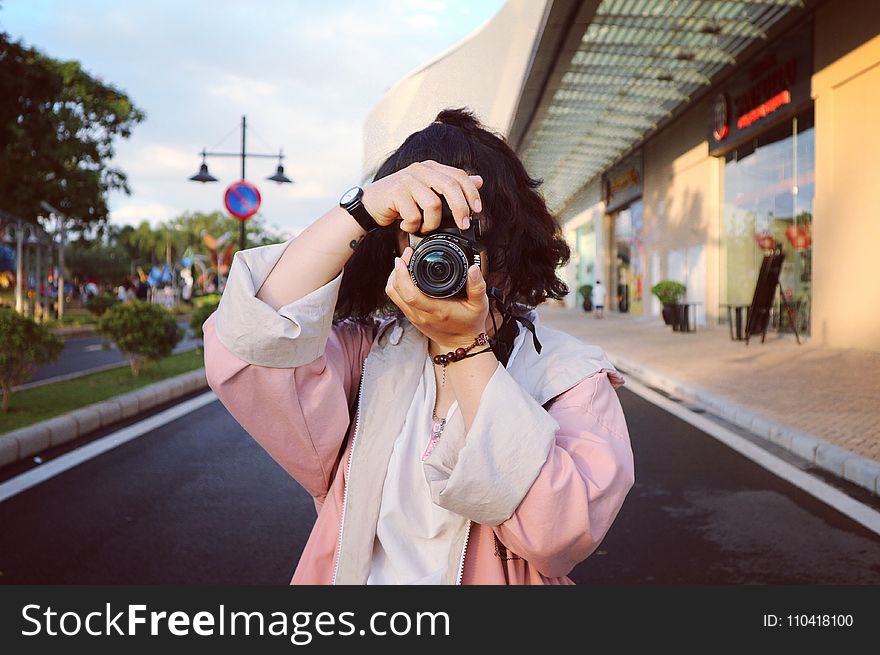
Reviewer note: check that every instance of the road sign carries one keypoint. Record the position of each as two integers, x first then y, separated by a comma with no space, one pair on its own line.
242,199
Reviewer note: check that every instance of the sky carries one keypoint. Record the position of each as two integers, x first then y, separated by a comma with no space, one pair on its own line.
305,72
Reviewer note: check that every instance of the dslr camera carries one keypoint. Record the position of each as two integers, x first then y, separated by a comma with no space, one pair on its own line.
441,258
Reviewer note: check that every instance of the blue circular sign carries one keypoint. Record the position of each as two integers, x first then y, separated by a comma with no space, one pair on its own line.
242,199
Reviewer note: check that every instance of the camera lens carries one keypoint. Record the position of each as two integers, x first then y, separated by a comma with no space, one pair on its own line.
439,267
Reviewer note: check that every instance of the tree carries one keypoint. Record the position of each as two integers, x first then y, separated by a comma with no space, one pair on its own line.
57,129
95,259
25,343
152,244
144,332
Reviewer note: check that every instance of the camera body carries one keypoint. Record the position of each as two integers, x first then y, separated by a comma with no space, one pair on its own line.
441,258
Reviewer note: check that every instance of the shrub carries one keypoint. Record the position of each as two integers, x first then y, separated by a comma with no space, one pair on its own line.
24,344
586,291
207,299
143,331
200,315
668,292
99,304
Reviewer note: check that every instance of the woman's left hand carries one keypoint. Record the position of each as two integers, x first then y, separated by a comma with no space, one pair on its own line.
449,322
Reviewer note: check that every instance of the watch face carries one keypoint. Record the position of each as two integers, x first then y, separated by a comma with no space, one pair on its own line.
349,195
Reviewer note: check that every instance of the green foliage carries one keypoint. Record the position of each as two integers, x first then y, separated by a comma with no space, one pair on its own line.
668,292
150,244
44,402
58,125
103,262
143,331
25,343
99,304
207,299
200,315
586,291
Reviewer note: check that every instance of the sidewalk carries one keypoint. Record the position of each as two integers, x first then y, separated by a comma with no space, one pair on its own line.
791,394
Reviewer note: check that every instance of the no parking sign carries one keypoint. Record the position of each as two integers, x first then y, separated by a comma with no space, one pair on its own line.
242,199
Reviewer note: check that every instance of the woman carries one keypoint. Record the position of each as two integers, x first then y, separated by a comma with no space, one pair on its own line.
437,448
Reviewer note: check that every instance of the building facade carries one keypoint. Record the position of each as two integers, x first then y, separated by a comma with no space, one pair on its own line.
777,152
686,139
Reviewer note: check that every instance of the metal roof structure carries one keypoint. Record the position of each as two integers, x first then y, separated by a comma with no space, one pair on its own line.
636,63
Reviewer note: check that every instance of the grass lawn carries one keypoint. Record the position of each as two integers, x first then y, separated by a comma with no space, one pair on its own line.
41,403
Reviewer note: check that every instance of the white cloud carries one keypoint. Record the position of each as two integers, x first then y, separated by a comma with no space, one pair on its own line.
133,212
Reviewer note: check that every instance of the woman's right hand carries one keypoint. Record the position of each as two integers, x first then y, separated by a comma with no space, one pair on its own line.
420,185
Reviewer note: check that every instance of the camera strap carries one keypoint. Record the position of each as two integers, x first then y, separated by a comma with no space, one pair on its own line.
502,343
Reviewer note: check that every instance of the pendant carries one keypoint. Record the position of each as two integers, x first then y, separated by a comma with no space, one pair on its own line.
436,431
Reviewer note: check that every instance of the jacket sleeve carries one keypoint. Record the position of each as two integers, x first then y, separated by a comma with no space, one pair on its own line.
290,376
551,482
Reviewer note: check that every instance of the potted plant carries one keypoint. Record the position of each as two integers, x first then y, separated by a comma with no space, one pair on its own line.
669,292
586,291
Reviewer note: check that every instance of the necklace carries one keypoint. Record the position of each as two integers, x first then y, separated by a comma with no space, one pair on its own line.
436,427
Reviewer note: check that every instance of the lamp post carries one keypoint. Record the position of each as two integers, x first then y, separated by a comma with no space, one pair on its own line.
62,222
204,176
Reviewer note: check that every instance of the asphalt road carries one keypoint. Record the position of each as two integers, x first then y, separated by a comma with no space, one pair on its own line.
85,353
198,501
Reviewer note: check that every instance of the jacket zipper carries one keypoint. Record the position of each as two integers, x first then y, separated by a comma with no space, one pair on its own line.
357,425
467,536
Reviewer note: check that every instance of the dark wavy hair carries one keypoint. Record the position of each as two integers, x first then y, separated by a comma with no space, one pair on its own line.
524,242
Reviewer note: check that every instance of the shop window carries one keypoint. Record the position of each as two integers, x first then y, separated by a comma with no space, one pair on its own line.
629,273
769,186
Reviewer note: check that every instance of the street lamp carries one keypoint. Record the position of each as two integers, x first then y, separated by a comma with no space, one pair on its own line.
204,176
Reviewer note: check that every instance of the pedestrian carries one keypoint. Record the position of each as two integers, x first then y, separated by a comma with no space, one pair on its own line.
444,440
598,298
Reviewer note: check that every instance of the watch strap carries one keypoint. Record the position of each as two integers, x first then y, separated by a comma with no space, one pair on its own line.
360,214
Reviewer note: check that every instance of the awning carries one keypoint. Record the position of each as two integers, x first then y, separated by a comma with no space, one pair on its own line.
636,63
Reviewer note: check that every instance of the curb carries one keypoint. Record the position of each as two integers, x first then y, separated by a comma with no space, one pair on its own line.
827,456
28,441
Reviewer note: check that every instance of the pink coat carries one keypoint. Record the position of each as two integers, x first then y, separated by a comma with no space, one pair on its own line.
547,479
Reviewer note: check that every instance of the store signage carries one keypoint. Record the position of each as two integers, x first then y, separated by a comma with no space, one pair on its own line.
763,92
721,118
623,183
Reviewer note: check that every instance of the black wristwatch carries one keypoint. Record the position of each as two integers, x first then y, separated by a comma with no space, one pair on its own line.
351,201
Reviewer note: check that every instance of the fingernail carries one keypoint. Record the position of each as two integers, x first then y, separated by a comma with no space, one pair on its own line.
466,223
478,205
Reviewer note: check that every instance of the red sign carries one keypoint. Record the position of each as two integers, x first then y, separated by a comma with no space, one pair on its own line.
242,199
762,92
759,112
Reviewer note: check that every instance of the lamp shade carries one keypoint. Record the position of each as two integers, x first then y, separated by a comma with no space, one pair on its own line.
203,175
280,177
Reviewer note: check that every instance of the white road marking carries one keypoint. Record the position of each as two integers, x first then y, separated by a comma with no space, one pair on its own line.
67,461
859,512
94,347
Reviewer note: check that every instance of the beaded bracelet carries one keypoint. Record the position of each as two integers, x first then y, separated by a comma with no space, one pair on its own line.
460,353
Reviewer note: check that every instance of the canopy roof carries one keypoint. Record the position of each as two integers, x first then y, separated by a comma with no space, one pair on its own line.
636,63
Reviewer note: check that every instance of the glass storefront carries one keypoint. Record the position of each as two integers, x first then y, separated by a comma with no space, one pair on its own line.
769,186
585,254
629,267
